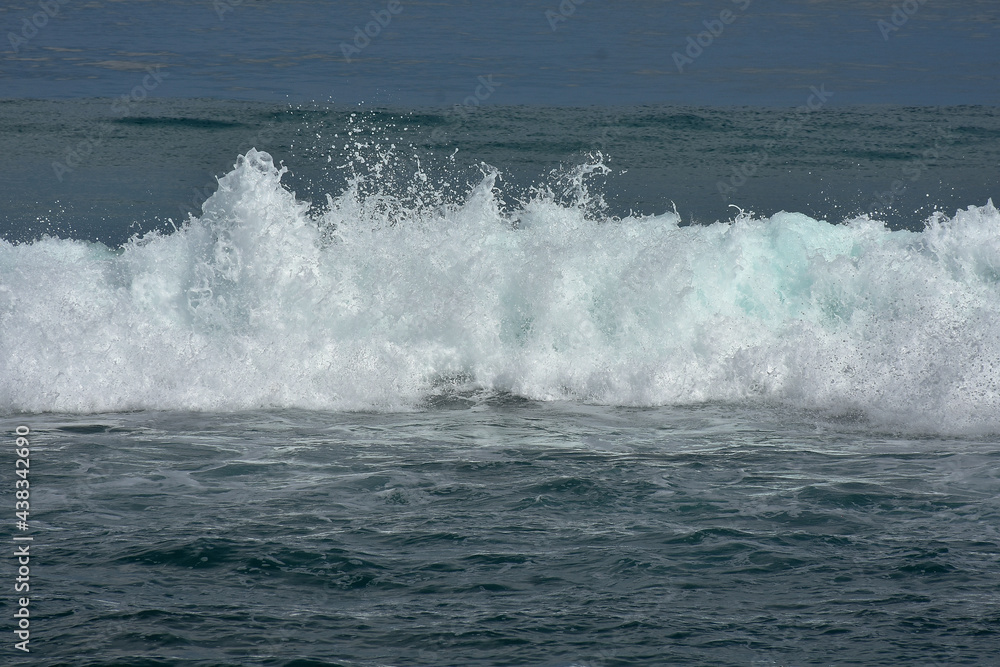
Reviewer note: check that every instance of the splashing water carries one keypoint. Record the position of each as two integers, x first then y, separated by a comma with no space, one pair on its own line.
378,301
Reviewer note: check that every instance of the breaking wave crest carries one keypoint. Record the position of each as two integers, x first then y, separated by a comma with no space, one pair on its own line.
380,300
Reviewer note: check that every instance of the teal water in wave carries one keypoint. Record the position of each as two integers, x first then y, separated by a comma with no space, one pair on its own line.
507,532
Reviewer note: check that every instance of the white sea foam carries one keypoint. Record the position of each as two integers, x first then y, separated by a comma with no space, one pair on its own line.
375,303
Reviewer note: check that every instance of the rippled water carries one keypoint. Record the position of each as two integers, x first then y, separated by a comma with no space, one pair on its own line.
449,255
507,532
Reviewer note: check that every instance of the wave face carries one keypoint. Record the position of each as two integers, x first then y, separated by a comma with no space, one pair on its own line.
379,302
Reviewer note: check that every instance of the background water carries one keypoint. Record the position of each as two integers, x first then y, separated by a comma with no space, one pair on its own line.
432,52
87,172
507,381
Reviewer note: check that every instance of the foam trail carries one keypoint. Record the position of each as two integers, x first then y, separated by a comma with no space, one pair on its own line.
376,304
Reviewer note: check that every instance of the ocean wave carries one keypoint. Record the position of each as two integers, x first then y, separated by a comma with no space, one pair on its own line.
382,298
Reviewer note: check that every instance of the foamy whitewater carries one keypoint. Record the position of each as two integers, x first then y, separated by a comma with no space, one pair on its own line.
378,301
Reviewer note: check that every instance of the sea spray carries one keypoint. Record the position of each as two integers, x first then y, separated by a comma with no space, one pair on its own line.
381,298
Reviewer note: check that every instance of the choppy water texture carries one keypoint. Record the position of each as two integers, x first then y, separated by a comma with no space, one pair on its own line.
508,532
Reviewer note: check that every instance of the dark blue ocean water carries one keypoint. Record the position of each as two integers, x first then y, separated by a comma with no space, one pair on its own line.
539,52
508,333
508,532
88,172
